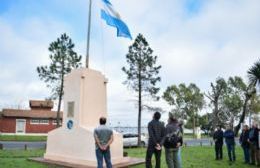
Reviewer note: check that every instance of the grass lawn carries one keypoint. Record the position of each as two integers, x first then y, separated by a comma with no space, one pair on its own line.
22,138
193,157
197,157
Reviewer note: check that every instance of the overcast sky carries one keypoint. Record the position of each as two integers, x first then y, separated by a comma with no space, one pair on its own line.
195,41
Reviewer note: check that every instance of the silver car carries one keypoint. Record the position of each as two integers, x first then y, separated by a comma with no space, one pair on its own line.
132,140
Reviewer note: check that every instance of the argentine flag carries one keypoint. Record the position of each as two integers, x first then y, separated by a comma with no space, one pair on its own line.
112,18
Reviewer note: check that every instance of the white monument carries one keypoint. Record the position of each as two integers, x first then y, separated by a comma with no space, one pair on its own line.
84,103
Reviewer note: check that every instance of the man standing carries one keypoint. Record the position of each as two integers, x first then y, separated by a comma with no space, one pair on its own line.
244,137
254,146
103,138
230,142
218,139
156,133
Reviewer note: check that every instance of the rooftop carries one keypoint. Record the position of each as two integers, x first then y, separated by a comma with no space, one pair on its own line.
48,104
29,113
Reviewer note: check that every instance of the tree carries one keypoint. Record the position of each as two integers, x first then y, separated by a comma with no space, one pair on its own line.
232,102
63,59
142,73
254,80
254,109
202,121
188,99
254,74
248,93
215,96
205,123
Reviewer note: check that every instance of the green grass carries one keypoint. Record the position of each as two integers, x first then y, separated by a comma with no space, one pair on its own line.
18,159
22,138
192,157
196,157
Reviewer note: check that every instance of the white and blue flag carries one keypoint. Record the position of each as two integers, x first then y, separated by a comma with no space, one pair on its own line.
112,18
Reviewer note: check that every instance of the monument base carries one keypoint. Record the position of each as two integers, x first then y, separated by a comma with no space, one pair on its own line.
126,162
77,146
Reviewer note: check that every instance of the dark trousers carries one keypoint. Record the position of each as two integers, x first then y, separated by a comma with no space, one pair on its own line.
103,154
231,152
149,153
218,151
246,154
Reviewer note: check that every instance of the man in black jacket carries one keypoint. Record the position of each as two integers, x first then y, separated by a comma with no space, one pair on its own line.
244,141
254,145
156,132
218,139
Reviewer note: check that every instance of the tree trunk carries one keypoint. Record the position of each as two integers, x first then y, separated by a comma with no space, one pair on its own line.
59,105
139,109
60,94
242,118
216,111
193,125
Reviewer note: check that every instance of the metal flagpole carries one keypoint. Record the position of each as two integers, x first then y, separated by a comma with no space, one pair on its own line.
88,36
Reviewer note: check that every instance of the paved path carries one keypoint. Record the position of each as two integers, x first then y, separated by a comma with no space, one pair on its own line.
21,145
37,145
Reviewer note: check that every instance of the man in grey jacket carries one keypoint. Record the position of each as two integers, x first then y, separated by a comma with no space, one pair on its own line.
172,141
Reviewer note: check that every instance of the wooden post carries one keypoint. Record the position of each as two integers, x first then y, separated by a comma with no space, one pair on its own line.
25,147
1,147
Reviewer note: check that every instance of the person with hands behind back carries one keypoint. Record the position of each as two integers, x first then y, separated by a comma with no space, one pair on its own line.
103,138
156,132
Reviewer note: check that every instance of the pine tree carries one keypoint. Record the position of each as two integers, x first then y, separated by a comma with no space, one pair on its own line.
63,59
142,73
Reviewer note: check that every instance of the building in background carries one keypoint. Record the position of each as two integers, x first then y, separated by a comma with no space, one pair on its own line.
40,119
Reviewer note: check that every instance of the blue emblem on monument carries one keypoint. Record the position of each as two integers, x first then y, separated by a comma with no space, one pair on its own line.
70,124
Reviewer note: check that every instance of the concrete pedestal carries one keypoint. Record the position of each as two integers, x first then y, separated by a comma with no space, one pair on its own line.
84,103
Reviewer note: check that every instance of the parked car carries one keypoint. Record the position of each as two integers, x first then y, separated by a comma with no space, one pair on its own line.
132,140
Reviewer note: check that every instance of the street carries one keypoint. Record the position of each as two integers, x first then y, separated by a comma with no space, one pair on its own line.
37,145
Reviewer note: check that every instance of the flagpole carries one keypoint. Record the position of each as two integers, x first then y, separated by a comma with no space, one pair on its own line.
88,35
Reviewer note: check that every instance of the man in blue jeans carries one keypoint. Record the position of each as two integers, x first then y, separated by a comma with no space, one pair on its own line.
103,138
230,142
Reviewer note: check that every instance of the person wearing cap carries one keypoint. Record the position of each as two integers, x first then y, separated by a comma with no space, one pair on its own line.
103,138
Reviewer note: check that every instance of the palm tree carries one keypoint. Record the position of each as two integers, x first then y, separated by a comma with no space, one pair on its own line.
254,74
254,79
